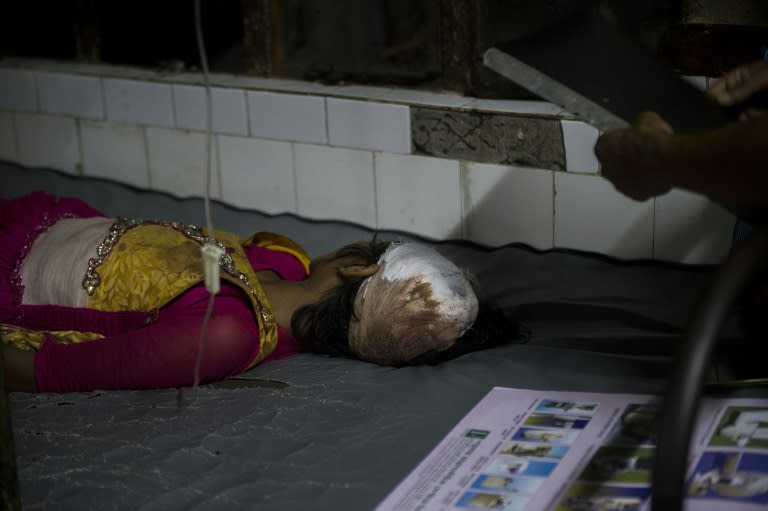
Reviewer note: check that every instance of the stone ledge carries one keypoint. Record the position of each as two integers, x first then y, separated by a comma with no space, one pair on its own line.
488,137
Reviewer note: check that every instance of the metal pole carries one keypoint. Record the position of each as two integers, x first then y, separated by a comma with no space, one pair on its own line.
683,396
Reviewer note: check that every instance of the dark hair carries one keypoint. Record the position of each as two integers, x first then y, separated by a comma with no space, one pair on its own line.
492,327
323,327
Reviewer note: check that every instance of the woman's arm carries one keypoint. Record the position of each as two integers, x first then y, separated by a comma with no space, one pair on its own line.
160,355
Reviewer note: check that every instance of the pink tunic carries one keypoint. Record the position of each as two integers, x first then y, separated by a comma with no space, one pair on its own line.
137,352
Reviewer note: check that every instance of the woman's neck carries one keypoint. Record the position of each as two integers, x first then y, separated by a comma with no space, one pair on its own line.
285,296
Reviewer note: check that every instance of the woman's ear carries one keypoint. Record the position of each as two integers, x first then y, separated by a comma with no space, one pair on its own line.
358,271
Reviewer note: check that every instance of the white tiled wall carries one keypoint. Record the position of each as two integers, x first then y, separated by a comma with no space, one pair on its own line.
287,117
418,195
115,151
7,137
691,229
139,102
591,215
700,82
306,150
177,162
579,138
504,204
48,141
17,90
257,174
230,115
335,183
375,126
79,96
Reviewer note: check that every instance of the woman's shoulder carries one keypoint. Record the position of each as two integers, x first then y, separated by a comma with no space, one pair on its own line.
275,247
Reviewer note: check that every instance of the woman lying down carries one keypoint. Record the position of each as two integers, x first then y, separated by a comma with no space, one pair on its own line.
89,302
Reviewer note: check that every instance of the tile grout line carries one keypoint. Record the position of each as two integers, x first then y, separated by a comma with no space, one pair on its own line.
15,135
147,171
326,123
295,179
409,129
374,159
554,184
36,92
103,93
463,192
217,161
248,128
554,207
103,87
174,122
80,165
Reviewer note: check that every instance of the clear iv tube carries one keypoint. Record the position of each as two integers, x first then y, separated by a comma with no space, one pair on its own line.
209,118
207,197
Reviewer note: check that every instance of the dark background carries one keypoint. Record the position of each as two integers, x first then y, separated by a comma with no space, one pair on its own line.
431,44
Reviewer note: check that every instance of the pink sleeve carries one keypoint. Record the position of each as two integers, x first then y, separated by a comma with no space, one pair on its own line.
285,264
160,355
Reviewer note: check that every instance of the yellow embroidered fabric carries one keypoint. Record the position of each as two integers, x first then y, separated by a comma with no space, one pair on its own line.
152,264
30,340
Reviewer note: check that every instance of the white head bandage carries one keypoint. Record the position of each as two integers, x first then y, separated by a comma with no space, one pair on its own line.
417,302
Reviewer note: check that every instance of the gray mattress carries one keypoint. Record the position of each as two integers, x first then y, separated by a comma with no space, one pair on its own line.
312,432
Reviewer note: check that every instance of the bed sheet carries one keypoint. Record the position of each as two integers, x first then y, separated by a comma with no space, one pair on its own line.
313,432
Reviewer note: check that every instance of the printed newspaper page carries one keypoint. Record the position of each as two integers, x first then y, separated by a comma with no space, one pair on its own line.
537,450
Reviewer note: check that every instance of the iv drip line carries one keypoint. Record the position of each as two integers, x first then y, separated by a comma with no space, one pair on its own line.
209,120
211,253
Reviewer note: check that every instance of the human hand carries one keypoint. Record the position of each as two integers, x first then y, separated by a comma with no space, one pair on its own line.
739,84
633,159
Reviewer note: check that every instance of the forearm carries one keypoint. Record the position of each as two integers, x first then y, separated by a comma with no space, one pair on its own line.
729,165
